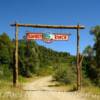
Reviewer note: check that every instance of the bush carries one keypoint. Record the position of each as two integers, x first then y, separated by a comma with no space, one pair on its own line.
5,72
64,74
86,82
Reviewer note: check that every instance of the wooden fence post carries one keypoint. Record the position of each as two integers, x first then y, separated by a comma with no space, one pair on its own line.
15,71
77,65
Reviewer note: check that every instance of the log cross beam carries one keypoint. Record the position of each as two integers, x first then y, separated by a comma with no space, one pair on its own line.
49,26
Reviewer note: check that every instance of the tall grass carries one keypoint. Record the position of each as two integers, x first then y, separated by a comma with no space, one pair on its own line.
8,92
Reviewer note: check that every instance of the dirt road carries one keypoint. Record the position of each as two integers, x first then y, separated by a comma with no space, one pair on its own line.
40,90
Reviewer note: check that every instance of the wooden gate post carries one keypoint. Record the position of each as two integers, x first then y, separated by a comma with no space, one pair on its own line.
78,65
15,73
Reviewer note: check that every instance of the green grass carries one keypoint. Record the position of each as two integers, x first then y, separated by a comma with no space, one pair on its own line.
8,92
91,92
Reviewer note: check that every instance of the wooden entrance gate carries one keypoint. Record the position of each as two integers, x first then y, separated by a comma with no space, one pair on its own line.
79,57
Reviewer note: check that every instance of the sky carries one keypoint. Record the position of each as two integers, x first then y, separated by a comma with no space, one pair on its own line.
52,12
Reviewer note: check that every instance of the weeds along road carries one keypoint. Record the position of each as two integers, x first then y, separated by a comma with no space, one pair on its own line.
40,90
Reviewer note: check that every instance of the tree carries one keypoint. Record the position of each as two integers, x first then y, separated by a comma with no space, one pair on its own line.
96,32
88,51
89,66
6,55
28,57
5,49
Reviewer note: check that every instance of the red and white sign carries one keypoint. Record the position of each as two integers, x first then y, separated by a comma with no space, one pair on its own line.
34,36
61,37
46,37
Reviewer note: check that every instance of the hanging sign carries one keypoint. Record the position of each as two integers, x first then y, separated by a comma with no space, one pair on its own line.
47,37
34,36
61,36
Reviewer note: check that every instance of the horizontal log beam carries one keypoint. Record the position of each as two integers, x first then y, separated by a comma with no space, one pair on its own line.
49,26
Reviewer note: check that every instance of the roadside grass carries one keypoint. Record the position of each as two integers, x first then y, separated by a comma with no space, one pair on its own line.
89,92
63,87
8,92
92,90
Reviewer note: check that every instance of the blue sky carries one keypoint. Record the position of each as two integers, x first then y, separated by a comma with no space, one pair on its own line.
59,12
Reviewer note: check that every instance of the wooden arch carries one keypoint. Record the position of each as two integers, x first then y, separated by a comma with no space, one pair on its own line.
79,57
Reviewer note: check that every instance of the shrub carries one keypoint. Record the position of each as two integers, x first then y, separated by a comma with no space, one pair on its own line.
64,74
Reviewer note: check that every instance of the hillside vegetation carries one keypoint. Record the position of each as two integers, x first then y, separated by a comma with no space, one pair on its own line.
38,60
33,58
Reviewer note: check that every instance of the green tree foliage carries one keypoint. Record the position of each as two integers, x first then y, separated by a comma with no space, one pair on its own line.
28,57
50,57
5,49
5,54
89,64
96,32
